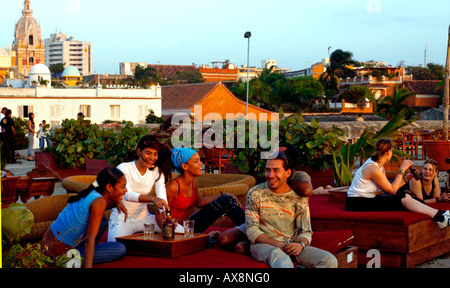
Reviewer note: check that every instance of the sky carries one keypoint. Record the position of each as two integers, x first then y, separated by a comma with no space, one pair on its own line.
295,33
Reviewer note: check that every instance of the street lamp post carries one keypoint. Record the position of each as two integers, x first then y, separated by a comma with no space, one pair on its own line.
248,35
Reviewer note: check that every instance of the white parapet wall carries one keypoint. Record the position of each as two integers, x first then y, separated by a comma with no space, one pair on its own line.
98,104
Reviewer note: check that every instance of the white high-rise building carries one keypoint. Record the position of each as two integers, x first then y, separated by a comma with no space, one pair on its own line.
62,49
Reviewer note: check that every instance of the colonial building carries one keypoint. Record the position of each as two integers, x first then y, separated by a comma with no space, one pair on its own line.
28,44
97,104
71,76
214,99
7,64
426,93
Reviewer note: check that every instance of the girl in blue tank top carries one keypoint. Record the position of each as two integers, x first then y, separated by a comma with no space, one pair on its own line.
80,221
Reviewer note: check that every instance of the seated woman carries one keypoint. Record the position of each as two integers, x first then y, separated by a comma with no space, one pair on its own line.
371,177
427,189
80,221
183,193
150,170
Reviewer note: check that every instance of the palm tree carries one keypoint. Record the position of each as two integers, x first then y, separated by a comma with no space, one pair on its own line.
340,62
392,105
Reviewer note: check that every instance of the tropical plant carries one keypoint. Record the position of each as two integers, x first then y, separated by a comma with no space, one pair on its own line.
118,144
315,145
356,93
390,106
75,141
340,67
152,118
272,90
17,222
78,140
145,77
345,158
247,146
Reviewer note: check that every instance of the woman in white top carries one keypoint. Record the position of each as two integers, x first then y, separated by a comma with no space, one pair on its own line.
371,177
150,169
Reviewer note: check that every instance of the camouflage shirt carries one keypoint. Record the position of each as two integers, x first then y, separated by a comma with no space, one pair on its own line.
276,215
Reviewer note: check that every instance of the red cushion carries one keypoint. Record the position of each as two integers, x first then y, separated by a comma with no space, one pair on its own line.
331,241
322,210
209,258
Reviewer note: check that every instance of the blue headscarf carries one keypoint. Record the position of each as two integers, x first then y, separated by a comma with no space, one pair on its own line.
181,155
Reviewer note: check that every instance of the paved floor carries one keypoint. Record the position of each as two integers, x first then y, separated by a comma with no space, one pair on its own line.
23,166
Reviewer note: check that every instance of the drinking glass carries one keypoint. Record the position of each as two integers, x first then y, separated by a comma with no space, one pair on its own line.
188,228
149,231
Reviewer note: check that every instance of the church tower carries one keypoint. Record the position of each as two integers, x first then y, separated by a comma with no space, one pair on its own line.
28,43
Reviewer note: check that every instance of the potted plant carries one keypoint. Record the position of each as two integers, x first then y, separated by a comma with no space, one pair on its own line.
17,222
314,144
439,149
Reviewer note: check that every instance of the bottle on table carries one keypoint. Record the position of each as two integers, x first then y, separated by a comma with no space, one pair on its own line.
168,227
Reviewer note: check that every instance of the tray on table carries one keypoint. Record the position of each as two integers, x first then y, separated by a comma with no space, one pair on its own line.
158,247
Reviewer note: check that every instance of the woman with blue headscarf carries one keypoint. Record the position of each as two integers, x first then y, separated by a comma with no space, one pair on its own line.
183,193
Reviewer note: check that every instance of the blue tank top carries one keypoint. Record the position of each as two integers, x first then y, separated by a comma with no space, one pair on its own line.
71,225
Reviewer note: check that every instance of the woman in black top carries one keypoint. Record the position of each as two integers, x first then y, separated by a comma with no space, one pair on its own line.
427,188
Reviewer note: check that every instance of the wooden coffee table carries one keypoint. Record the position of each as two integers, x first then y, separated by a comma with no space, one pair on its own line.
162,248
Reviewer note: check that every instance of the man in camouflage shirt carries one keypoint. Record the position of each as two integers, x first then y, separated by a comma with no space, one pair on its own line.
278,223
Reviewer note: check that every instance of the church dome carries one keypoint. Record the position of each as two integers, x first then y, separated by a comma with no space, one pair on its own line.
71,71
26,27
39,69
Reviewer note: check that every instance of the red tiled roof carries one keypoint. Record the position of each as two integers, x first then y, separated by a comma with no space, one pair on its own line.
167,71
185,96
424,87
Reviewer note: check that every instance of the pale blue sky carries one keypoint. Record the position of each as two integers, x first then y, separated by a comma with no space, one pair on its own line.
295,33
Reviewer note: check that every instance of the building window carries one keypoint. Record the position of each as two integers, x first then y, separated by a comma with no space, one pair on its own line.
86,110
142,111
115,111
31,60
55,111
23,110
30,40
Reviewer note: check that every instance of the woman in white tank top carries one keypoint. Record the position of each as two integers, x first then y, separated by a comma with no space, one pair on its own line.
370,178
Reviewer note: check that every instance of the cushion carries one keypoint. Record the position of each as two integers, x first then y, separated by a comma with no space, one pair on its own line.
331,241
209,258
322,210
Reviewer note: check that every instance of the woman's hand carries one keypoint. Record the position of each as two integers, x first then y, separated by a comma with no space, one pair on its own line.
121,208
406,164
235,199
160,203
444,197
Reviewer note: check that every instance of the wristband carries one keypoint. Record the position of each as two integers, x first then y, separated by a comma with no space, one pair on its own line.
401,171
303,244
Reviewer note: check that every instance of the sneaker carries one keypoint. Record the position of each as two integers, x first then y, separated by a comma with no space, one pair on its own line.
446,222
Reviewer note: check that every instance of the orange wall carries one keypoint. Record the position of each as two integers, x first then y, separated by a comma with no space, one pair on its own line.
430,101
317,71
222,101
